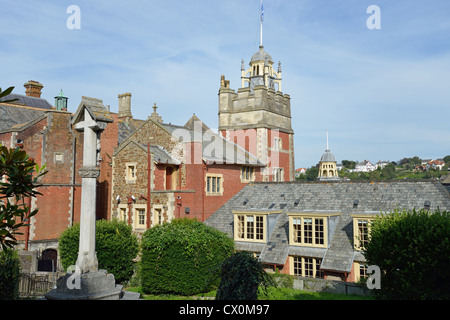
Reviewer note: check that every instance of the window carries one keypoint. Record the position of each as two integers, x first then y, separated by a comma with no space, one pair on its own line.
247,174
360,269
306,267
250,227
158,216
131,172
308,230
140,216
277,144
214,185
122,213
278,174
361,230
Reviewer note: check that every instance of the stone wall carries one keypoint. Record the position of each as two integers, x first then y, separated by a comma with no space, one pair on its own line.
330,286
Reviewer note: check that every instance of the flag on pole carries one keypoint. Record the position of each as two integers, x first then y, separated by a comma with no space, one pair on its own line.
262,12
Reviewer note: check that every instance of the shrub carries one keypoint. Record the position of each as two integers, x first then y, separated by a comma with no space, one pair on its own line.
412,249
183,257
241,276
115,244
9,275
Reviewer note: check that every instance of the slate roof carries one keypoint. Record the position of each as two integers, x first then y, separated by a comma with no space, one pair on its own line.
22,111
327,198
12,116
24,100
215,148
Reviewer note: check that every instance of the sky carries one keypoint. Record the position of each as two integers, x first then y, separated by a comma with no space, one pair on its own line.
381,93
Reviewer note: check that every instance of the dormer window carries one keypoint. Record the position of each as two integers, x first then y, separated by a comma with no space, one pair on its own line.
309,229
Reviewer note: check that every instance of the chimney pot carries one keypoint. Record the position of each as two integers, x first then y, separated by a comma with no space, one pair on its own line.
33,89
125,106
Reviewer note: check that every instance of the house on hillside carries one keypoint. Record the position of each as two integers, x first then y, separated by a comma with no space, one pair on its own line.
299,171
435,164
364,166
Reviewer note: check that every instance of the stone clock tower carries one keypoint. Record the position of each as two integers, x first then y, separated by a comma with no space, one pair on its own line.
258,117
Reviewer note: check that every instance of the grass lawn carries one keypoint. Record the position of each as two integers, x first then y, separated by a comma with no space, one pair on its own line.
272,294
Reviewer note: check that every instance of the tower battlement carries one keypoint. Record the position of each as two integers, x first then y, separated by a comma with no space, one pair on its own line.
261,107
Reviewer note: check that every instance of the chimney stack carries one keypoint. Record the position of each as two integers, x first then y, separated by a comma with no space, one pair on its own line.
33,89
125,106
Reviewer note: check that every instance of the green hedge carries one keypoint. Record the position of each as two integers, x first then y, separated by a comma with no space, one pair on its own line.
9,275
412,250
183,257
115,244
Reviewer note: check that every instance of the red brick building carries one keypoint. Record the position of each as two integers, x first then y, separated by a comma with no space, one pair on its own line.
150,171
46,134
163,171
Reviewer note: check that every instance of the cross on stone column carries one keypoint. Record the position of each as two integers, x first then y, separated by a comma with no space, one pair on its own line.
87,257
90,283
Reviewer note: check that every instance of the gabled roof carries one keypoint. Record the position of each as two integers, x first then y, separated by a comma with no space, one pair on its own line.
215,148
95,108
327,198
160,155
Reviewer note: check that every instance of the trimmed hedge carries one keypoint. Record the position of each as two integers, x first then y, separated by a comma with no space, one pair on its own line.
115,244
9,274
412,249
183,257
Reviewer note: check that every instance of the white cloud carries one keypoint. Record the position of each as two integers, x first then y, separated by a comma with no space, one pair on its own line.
381,93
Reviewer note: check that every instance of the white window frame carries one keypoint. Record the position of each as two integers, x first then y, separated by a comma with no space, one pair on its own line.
247,174
278,174
315,270
122,213
246,218
136,209
213,182
131,172
356,230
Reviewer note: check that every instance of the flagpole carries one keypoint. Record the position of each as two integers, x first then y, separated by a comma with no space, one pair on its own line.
261,18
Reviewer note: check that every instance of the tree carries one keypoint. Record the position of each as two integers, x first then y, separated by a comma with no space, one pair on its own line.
5,93
388,172
349,164
241,276
447,159
312,173
412,250
20,179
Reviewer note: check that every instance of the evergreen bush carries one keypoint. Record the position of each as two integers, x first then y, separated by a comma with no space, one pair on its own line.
115,244
9,274
183,257
412,250
241,276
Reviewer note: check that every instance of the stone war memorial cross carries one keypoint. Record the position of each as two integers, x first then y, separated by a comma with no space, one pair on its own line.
88,283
